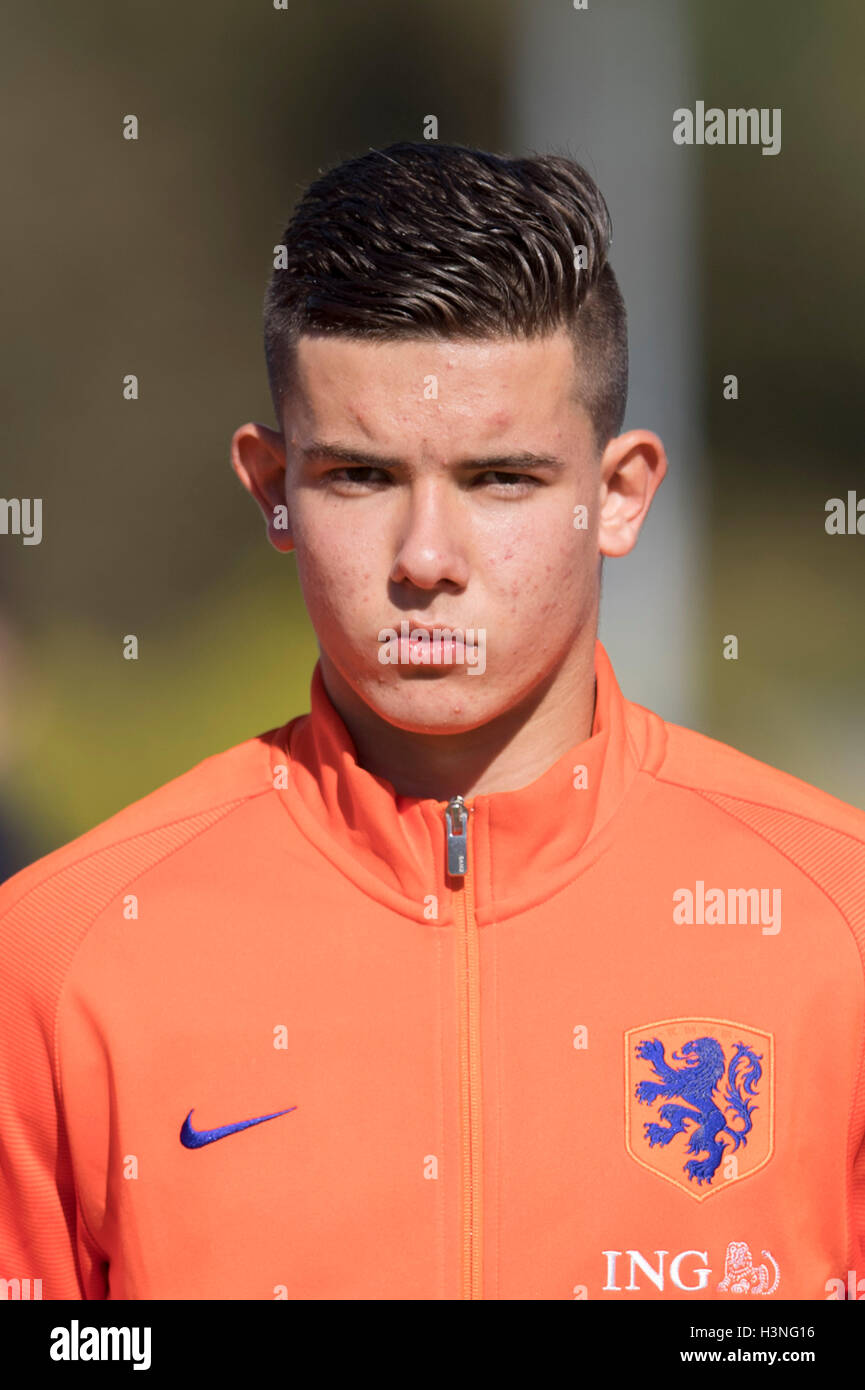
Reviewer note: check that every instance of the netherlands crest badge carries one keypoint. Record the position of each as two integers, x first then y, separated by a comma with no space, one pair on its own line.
708,1085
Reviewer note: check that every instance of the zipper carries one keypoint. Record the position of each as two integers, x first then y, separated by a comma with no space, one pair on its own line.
468,1000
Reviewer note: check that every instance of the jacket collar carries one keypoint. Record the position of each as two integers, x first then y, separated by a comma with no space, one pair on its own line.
523,845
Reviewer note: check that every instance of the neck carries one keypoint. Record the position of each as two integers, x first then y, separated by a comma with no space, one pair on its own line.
508,752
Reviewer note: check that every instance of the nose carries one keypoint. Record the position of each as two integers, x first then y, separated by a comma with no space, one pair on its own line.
429,549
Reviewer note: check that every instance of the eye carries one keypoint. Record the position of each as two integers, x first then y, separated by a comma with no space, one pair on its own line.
513,484
353,476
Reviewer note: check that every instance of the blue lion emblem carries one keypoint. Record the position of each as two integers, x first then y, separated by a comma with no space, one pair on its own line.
696,1082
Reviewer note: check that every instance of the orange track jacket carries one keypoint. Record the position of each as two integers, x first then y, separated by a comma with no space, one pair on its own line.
257,1042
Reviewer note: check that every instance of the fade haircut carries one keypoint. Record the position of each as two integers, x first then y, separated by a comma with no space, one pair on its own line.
439,241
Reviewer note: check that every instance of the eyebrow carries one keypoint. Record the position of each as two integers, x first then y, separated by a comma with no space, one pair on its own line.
320,449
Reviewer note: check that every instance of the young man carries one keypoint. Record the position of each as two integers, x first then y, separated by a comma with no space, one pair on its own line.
478,980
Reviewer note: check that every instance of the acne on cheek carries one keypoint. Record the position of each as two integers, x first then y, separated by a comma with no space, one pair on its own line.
521,587
335,586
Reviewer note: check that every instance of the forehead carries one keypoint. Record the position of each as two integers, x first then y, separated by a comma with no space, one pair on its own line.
453,391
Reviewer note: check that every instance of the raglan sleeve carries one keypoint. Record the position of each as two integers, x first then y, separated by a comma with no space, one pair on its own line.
45,1249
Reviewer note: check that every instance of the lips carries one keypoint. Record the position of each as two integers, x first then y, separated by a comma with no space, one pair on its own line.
424,627
432,643
421,635
455,640
428,644
433,652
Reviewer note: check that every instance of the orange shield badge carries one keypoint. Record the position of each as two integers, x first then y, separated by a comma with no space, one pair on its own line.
699,1101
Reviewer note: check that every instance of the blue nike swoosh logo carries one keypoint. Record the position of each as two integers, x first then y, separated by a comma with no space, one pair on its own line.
196,1138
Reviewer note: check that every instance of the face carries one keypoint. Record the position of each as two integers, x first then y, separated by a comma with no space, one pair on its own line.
439,483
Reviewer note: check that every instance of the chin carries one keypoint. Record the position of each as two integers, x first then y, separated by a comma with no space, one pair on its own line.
430,706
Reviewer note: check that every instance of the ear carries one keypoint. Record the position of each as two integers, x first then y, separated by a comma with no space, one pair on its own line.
258,459
633,466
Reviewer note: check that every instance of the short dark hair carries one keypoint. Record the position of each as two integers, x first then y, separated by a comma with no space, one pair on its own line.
425,241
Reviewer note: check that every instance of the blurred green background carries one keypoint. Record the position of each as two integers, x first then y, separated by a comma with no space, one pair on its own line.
151,257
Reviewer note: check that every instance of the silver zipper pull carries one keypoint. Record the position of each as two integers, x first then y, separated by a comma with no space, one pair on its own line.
456,825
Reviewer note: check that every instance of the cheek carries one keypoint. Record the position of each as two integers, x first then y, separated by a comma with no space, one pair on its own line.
335,577
542,573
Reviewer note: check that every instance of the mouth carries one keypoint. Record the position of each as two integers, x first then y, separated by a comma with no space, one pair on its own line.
440,644
413,627
417,634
